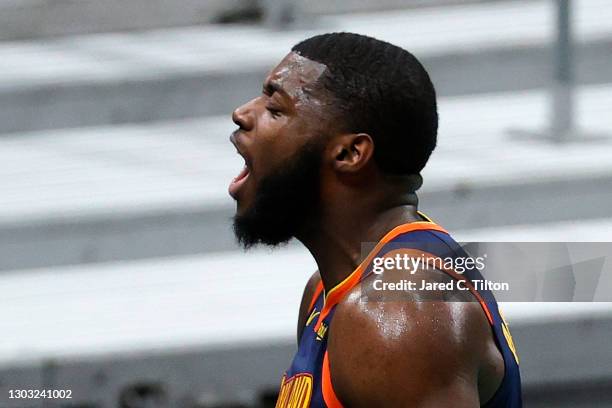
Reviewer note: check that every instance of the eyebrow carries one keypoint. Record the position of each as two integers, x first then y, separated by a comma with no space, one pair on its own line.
272,87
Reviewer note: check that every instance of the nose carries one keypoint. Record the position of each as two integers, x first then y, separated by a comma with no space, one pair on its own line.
243,116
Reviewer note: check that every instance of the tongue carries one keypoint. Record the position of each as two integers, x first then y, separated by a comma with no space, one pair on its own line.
238,181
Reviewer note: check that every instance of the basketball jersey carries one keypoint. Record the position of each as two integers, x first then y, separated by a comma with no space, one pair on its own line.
307,382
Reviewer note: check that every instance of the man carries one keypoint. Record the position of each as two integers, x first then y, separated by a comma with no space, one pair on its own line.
333,151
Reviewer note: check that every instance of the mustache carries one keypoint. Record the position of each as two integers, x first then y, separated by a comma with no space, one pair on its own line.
234,135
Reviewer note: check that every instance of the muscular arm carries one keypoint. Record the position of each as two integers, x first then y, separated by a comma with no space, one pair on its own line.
412,353
309,290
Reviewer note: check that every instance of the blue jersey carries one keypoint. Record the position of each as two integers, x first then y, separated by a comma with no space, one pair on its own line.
307,382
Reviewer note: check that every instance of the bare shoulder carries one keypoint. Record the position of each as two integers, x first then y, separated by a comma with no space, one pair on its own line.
410,351
309,291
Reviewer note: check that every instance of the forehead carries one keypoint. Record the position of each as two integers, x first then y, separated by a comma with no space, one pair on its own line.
295,73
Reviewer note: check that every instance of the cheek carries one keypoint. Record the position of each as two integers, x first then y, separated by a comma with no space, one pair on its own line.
277,140
274,138
269,129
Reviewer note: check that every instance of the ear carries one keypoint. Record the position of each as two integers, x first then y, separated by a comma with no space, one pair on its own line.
351,152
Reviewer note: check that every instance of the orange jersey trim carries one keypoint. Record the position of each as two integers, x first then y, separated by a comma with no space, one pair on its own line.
337,293
329,395
472,289
315,295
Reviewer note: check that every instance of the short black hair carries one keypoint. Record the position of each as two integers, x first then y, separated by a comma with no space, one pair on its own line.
380,89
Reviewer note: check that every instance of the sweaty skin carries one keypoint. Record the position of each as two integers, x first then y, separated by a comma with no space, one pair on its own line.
411,353
296,75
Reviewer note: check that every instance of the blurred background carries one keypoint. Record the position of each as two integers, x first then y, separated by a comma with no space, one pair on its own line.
119,276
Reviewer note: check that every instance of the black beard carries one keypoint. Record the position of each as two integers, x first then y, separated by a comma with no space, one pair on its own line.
285,202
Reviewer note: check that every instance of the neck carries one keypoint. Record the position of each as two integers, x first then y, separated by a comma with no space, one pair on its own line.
336,242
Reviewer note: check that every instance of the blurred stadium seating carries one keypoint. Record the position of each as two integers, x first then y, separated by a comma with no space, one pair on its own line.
119,276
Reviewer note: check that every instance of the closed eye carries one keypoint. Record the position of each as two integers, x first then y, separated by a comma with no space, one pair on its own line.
276,113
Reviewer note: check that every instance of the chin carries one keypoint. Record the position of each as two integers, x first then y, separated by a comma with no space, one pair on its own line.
242,206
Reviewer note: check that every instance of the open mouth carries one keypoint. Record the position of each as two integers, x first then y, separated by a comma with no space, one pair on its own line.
239,181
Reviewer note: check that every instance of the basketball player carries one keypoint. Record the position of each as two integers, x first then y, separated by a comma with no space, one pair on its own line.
333,151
